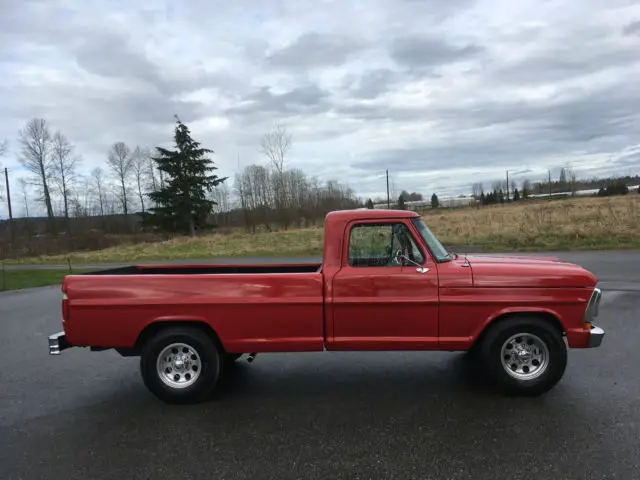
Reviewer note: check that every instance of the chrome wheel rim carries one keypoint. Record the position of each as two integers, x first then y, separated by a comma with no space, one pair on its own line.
524,356
178,365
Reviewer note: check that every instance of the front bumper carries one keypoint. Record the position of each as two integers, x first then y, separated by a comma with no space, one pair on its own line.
595,337
57,343
596,334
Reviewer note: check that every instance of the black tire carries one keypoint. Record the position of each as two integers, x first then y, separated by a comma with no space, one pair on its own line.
491,355
209,364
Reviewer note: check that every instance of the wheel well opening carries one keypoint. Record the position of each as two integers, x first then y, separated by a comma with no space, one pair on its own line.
552,319
155,327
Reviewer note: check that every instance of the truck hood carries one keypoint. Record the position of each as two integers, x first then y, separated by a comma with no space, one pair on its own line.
527,271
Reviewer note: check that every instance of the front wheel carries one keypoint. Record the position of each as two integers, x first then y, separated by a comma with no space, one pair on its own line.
180,365
524,356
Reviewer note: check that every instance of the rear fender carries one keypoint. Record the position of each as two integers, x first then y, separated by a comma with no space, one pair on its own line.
160,323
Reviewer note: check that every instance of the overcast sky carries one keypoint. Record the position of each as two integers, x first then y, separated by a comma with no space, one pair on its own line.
443,93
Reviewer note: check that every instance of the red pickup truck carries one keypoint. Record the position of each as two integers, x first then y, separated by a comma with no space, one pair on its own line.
385,283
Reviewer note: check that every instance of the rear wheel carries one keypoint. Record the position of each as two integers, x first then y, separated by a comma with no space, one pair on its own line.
180,365
524,356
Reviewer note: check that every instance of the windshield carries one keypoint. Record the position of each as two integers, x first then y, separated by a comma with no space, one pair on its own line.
438,251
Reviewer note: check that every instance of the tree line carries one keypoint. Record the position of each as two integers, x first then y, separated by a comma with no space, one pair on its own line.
52,165
177,190
567,182
153,182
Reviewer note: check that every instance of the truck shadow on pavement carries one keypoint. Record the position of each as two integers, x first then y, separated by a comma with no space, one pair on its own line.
402,373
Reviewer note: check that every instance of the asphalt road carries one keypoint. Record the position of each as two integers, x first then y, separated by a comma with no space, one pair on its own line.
423,415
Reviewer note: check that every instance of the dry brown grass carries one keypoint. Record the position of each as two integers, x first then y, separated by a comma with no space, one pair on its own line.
584,223
234,244
581,223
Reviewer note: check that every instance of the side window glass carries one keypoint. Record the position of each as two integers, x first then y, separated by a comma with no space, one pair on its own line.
414,252
404,244
376,245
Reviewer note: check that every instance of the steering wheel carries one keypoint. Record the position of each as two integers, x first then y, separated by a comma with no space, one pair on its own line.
398,258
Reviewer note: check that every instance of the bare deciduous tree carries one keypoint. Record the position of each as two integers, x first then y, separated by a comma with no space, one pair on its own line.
97,179
25,194
121,163
35,140
64,168
80,202
526,188
303,199
4,146
141,172
571,176
276,144
477,189
220,194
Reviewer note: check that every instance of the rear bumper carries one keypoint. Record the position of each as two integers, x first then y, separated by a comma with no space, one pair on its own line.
57,343
595,337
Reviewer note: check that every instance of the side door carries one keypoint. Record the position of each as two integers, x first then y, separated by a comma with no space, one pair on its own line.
380,302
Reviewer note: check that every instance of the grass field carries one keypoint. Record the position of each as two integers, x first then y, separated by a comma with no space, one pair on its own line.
19,279
573,224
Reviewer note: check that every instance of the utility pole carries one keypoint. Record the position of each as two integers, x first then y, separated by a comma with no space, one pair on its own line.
507,186
6,179
388,200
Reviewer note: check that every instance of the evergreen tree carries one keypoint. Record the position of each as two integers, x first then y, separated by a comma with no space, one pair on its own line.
401,205
181,203
563,178
516,195
369,204
621,188
435,203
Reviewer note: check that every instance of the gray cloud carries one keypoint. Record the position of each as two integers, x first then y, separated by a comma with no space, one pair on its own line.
430,51
113,54
631,159
314,50
109,54
632,28
575,55
366,111
594,123
371,84
132,118
307,99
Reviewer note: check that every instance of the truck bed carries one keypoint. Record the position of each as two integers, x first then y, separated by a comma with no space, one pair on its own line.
253,308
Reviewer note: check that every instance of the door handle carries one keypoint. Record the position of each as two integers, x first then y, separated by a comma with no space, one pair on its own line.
422,270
